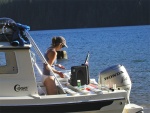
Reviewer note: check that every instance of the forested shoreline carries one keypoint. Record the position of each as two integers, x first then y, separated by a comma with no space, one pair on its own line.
64,14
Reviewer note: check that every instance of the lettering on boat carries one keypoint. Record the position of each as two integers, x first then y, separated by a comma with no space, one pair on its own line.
114,75
18,88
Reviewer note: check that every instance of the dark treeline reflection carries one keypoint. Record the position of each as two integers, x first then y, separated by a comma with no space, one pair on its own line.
61,14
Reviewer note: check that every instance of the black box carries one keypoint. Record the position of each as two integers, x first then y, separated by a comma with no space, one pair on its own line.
79,73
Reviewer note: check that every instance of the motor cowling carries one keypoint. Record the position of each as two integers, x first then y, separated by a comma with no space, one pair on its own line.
118,76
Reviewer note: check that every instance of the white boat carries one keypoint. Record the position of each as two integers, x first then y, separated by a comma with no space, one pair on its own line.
20,91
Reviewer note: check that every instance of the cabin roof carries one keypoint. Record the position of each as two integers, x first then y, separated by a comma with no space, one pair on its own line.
6,45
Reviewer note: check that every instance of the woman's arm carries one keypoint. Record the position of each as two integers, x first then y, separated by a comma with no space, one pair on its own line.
60,66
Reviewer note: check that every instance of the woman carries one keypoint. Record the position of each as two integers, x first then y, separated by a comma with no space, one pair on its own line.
51,56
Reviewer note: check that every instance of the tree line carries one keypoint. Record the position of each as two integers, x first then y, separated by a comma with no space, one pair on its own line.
64,14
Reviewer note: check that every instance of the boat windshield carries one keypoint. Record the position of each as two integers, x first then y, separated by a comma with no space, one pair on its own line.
4,21
5,25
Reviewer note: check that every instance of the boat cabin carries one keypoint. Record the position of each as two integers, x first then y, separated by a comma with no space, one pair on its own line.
17,77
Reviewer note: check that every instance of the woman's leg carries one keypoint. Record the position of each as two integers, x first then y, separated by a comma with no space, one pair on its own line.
50,85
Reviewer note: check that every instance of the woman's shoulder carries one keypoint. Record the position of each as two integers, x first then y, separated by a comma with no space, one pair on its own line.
51,51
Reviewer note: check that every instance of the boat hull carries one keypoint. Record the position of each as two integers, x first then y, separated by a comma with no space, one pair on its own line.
97,106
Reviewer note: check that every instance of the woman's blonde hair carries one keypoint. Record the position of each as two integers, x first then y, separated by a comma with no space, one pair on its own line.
57,40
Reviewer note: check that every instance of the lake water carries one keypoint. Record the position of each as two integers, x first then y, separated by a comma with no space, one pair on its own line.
129,46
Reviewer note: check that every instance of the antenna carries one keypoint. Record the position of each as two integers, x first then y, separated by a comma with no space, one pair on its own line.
87,59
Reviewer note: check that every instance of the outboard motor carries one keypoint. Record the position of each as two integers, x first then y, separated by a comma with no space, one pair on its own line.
116,75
